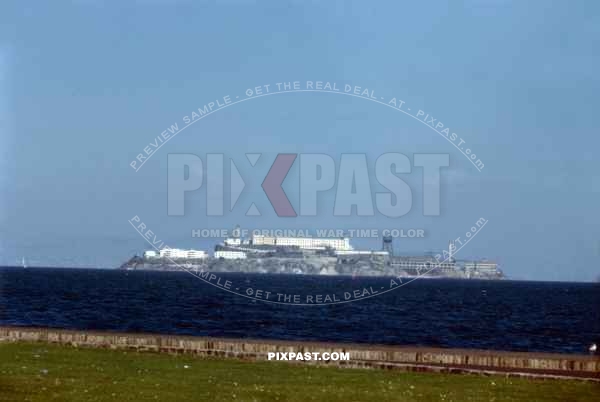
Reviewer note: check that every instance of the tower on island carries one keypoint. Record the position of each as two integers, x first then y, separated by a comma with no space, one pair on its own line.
387,245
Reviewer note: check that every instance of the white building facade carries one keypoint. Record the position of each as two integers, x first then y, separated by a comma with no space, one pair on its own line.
196,254
176,254
482,266
150,254
233,241
307,243
230,255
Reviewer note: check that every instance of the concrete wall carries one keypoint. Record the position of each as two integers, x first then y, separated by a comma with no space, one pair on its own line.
372,356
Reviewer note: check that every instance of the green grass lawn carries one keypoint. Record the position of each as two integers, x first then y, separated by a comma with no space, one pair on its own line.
43,372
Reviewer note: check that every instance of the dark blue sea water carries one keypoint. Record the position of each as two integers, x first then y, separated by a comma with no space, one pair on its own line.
507,315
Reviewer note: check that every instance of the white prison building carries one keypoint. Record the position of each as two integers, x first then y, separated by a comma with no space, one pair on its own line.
482,266
302,242
196,254
230,255
175,254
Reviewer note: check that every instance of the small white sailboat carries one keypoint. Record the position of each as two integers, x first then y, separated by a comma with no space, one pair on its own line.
23,262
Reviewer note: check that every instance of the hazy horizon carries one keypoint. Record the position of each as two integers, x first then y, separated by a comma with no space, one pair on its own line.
85,87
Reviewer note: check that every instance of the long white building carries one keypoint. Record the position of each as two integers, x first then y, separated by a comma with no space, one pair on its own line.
308,243
176,254
486,267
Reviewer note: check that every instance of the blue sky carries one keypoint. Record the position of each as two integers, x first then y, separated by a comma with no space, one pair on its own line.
85,86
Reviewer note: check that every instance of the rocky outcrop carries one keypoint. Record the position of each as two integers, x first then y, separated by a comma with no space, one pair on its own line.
310,265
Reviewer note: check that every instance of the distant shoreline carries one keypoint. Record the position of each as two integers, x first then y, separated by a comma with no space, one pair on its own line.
507,279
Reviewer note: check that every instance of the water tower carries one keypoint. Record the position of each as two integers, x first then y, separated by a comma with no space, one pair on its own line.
387,245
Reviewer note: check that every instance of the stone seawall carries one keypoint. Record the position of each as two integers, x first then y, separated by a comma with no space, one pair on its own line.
545,365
